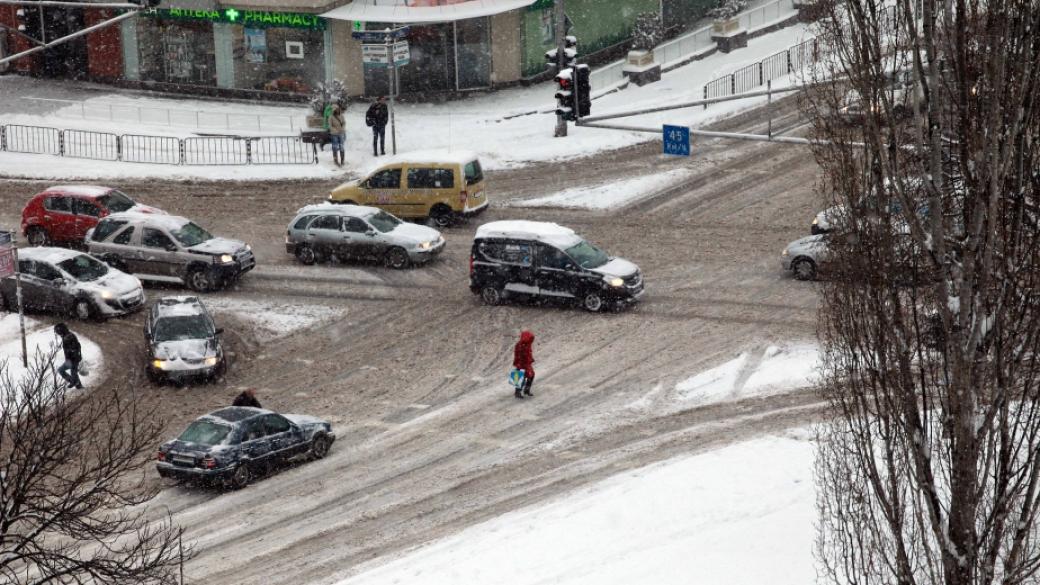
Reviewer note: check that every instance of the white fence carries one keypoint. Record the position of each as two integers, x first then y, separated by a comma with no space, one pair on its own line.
694,42
179,118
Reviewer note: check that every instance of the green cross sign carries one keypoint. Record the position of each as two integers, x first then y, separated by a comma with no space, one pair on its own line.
231,14
359,26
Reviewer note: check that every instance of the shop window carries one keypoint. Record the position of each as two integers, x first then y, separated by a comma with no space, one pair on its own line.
278,59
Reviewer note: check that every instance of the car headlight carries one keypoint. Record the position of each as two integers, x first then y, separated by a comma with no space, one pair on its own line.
106,294
816,221
425,245
784,253
159,364
616,281
249,248
211,361
226,258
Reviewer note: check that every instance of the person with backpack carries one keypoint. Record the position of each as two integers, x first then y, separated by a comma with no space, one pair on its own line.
69,370
376,117
523,359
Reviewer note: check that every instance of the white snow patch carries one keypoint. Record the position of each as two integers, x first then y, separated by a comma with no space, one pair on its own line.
707,515
784,368
714,385
608,195
780,369
275,320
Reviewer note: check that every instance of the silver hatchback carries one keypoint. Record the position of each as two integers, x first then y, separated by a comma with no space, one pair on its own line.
318,232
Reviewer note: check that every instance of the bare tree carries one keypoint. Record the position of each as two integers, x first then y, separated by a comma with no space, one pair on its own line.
71,485
929,471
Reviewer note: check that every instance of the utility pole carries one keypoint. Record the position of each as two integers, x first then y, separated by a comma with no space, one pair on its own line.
561,59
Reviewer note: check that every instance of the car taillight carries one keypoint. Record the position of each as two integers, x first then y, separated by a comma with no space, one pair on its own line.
463,196
209,463
160,456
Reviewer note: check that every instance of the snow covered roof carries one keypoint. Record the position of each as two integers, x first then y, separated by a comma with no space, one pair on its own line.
550,233
51,255
427,157
81,190
338,209
179,306
168,222
420,11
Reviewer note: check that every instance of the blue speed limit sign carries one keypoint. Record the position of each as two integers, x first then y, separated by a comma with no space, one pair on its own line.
676,140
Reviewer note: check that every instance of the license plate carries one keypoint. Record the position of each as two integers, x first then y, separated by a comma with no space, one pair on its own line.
184,460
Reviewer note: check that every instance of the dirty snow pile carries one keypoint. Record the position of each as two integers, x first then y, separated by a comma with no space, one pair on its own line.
741,515
274,320
41,340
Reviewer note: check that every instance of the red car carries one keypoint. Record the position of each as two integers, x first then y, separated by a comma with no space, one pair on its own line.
62,215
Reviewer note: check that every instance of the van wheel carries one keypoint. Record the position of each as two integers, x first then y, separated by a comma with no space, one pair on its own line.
199,280
491,295
396,258
804,269
83,309
592,302
441,216
306,254
38,236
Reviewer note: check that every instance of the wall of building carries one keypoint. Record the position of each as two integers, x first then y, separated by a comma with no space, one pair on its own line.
596,23
682,14
346,58
104,47
505,46
16,44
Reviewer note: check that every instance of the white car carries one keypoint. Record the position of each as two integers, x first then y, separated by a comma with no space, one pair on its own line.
70,282
804,256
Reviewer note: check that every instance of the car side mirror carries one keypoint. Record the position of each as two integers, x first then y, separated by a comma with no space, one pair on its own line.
218,331
364,184
370,233
171,247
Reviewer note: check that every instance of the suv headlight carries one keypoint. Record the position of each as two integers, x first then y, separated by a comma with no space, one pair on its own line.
425,245
106,294
226,258
159,364
615,281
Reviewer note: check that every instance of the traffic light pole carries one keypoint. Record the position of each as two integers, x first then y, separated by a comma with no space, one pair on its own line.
561,59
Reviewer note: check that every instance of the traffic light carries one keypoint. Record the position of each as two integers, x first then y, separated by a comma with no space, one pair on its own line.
570,53
565,95
582,91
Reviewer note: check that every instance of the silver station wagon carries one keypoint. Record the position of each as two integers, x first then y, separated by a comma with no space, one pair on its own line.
318,232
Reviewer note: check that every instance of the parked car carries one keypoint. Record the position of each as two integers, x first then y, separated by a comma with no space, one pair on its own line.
355,231
62,215
545,260
898,87
69,282
169,248
804,256
233,445
441,186
182,340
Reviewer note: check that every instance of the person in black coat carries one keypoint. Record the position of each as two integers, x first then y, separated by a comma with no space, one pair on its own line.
376,117
247,398
73,355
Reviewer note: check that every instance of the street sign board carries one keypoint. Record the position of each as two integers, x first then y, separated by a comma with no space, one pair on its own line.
401,54
6,238
676,140
379,36
6,261
374,55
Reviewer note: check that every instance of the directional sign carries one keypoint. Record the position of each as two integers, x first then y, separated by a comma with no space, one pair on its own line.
379,36
374,55
401,54
676,140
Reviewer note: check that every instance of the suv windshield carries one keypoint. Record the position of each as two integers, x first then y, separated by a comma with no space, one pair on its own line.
191,235
187,327
114,201
384,222
84,268
205,433
587,255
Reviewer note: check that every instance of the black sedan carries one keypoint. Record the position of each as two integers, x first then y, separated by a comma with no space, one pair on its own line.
232,445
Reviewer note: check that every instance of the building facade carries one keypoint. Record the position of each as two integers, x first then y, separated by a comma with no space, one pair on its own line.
254,47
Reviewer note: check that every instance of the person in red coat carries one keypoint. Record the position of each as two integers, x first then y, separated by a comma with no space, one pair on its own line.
523,359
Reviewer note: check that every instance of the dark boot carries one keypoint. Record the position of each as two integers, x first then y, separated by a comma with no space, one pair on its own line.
527,391
518,394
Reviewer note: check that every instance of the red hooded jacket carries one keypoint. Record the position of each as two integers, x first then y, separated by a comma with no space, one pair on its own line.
523,357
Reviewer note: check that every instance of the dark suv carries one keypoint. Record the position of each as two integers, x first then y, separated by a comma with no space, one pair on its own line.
182,341
548,261
232,445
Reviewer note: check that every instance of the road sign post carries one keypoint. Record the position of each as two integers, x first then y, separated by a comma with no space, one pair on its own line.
9,266
386,48
676,140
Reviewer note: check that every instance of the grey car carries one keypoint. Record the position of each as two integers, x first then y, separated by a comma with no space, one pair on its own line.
804,256
318,232
169,248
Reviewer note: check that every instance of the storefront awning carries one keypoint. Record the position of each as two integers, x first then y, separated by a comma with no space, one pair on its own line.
420,11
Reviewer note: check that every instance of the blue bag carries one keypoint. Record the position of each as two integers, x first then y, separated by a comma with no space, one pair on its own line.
516,378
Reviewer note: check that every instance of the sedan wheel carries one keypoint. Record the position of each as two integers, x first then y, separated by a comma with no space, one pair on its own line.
396,258
804,269
491,295
38,236
592,302
306,255
320,447
198,280
240,478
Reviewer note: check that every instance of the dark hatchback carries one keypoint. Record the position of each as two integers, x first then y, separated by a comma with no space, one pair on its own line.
232,445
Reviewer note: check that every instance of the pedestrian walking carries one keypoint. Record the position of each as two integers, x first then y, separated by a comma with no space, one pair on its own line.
69,370
338,134
376,117
247,398
523,359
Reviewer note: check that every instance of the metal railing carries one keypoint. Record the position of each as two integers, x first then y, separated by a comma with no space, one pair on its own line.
167,150
757,74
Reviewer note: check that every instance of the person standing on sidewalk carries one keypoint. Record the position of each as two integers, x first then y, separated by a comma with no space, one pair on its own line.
337,132
73,356
376,117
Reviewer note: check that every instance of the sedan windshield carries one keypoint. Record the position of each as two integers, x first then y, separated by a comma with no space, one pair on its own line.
191,235
84,268
587,255
384,222
205,433
115,201
187,327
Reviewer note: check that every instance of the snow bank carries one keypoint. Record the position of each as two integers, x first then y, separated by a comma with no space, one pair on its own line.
609,195
40,338
275,320
772,371
731,516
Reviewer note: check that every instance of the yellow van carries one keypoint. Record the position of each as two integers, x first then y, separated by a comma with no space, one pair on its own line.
442,186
